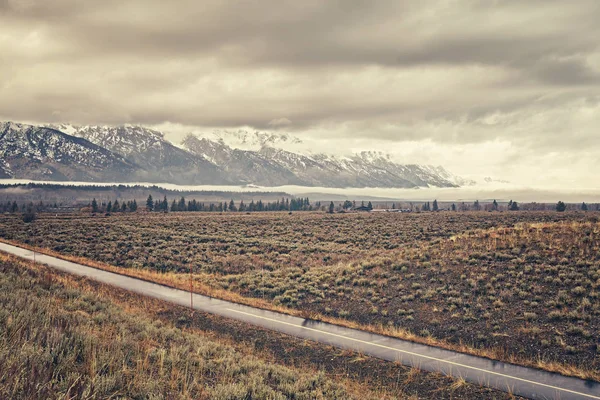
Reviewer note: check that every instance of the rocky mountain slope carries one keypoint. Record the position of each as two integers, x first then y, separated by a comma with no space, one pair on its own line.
275,166
245,165
159,159
34,152
135,153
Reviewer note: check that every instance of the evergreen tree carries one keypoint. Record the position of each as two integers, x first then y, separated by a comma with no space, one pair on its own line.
476,205
370,206
514,206
149,203
584,207
15,206
495,205
435,205
133,206
232,206
29,215
561,206
453,207
174,206
94,205
331,207
116,206
181,205
123,206
109,207
242,206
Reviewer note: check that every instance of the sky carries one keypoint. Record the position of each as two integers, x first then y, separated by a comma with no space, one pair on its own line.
508,89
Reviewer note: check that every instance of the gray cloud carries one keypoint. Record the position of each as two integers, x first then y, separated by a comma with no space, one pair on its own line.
453,72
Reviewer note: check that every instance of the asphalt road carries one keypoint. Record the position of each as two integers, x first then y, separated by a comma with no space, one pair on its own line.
521,381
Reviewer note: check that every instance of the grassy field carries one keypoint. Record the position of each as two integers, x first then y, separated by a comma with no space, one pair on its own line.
516,286
65,337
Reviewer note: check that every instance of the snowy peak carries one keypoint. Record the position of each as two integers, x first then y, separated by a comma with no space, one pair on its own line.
161,160
45,152
221,157
271,164
250,140
125,139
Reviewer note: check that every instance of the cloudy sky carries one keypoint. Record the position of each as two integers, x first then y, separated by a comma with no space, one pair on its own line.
508,89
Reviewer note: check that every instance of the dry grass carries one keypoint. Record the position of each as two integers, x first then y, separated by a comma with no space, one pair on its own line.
416,277
67,337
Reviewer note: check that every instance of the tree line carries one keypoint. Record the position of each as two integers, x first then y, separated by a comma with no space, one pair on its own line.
285,204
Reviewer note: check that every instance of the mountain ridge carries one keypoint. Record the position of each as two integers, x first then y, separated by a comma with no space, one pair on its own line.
261,159
33,152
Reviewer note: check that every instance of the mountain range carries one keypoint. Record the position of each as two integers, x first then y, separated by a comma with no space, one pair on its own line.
138,154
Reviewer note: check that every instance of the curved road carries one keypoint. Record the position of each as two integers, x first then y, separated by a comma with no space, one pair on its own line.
521,381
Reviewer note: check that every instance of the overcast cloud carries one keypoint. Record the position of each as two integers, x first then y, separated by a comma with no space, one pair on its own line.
506,88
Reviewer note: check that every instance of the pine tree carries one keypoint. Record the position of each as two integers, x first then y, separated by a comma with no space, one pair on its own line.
584,207
370,206
94,205
514,206
561,206
149,203
109,207
116,206
435,205
331,207
123,206
453,207
232,206
174,206
133,206
495,205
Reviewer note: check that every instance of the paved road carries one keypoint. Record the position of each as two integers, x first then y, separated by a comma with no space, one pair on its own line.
521,381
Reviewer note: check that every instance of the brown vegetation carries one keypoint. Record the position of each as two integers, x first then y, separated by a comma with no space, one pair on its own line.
67,337
520,286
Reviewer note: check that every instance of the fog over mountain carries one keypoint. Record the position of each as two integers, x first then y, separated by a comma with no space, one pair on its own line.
505,89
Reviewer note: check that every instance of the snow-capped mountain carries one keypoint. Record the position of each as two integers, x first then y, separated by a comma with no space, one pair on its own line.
276,166
160,160
135,153
249,140
34,152
247,166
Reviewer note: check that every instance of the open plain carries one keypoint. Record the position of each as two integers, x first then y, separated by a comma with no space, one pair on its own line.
517,286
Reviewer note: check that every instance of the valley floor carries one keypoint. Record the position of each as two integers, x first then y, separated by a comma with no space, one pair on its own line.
521,287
